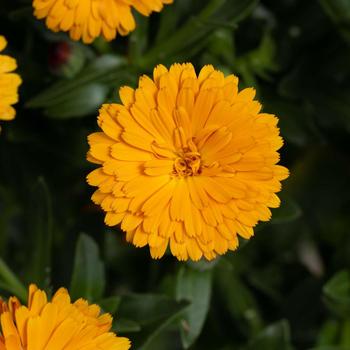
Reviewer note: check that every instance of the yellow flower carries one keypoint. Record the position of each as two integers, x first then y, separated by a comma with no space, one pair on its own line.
56,325
9,83
88,19
188,161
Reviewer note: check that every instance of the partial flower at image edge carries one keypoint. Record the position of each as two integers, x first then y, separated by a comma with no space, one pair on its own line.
87,20
57,324
9,84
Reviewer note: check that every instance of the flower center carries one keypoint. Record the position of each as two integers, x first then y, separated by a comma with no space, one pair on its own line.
188,164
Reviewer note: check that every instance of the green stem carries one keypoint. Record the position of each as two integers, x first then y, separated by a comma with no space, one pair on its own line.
10,282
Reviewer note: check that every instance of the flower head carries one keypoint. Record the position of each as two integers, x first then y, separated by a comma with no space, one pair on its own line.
57,324
89,19
9,83
188,161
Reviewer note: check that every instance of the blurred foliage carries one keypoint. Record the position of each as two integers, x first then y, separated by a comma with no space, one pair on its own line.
289,287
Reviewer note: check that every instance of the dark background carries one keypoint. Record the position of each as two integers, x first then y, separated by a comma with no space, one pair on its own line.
287,288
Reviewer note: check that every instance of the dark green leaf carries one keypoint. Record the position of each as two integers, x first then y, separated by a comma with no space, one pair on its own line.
329,347
345,334
153,313
10,282
194,286
287,212
221,45
88,279
328,333
110,304
273,337
79,103
198,27
85,93
138,39
40,222
258,62
123,325
96,72
239,301
339,12
337,293
8,208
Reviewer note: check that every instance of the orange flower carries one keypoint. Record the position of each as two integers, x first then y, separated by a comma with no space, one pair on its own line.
186,160
88,19
56,325
9,83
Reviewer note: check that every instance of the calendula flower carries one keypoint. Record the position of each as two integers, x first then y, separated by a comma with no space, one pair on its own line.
9,83
56,325
188,161
89,19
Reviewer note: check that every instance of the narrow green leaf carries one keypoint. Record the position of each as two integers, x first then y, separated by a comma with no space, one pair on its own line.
88,279
9,208
194,286
40,225
10,283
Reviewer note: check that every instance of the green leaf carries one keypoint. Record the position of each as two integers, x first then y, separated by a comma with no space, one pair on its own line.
9,208
221,45
329,347
138,39
123,325
194,286
197,28
153,313
79,103
169,18
339,12
273,337
287,212
147,308
110,304
10,283
203,265
258,62
41,226
95,72
345,334
86,92
328,333
294,121
88,278
239,301
337,293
